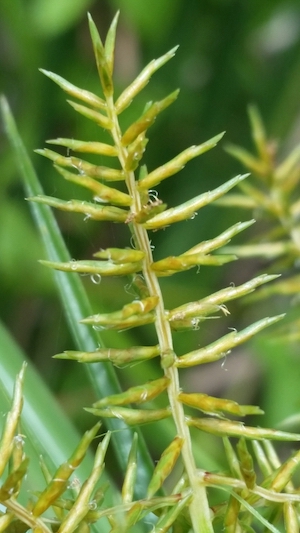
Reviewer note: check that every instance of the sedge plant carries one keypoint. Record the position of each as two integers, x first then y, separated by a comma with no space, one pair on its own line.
256,492
272,194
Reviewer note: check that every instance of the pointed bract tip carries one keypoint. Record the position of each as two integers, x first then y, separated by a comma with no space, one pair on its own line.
48,73
92,26
62,355
273,319
87,320
270,277
3,99
174,50
116,17
246,224
279,317
252,108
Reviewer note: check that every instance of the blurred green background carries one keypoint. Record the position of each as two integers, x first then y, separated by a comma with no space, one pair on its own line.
231,53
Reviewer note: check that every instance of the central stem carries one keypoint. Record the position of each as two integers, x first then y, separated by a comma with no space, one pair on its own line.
199,508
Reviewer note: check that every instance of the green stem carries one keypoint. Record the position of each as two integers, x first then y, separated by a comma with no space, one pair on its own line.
199,508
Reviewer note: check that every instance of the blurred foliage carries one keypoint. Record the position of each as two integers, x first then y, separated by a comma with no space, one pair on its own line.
231,53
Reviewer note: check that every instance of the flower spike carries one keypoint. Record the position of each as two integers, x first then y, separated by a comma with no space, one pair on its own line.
135,202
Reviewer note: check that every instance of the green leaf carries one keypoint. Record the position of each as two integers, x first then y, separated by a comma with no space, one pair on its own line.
42,420
75,303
